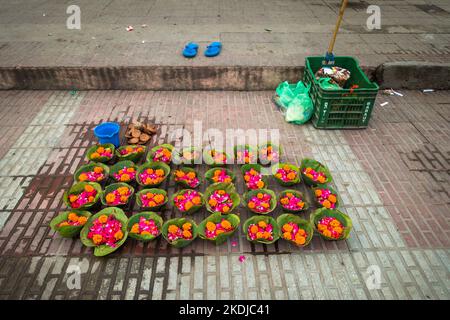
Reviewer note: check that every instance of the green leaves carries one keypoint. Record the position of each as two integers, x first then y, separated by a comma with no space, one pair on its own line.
77,189
68,231
229,188
179,243
257,168
103,250
154,191
217,218
273,200
317,166
93,149
149,216
154,166
194,208
115,186
153,150
266,219
317,215
210,174
303,224
324,186
280,181
134,156
89,168
119,166
183,183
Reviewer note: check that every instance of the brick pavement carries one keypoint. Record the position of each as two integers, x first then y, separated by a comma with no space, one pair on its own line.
393,178
254,33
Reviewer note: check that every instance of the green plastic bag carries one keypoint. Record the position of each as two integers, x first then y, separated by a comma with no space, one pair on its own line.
300,109
328,84
287,92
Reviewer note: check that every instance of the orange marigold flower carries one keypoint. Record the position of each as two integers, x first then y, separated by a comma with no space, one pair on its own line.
100,149
220,231
123,190
150,171
309,175
301,232
103,218
64,224
187,226
221,192
88,188
326,204
91,199
173,228
338,229
187,234
217,172
284,200
300,240
260,195
131,169
188,205
308,169
251,205
125,177
135,228
210,226
82,220
225,209
326,233
226,224
260,184
259,235
227,180
179,173
287,235
212,202
321,179
118,235
287,227
95,155
98,169
289,194
291,175
335,223
318,192
123,198
262,224
73,198
97,239
254,229
246,178
286,167
191,175
332,198
72,217
196,200
110,197
145,233
159,172
321,227
159,198
83,177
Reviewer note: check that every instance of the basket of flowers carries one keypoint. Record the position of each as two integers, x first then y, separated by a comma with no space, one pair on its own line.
253,177
261,229
105,231
92,172
124,171
144,226
325,196
244,154
186,177
269,153
117,194
161,153
286,174
130,152
313,172
152,174
295,229
214,157
151,199
82,195
69,223
179,232
260,201
331,224
221,198
224,175
101,153
187,157
292,201
188,201
218,227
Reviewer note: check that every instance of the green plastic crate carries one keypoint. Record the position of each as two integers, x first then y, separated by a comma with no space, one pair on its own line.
344,108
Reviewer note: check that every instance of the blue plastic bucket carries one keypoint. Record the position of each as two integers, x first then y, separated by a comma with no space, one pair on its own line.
108,132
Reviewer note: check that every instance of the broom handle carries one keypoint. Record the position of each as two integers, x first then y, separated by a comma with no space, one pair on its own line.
338,23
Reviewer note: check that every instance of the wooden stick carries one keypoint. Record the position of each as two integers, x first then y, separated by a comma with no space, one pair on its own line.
338,23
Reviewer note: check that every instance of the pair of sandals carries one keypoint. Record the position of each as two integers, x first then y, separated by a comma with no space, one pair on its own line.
191,49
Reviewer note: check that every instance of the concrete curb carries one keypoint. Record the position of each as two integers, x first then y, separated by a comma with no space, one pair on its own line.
405,75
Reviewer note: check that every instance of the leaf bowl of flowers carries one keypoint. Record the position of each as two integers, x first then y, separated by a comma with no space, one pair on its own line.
260,201
218,227
117,194
313,172
286,174
152,174
69,223
130,152
123,171
292,201
295,229
331,224
186,177
179,232
145,226
151,199
224,175
253,177
161,153
105,231
261,229
187,156
325,196
188,201
215,158
82,195
221,197
269,153
92,172
245,154
101,153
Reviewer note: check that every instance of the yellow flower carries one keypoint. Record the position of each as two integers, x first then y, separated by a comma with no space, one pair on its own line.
210,226
173,228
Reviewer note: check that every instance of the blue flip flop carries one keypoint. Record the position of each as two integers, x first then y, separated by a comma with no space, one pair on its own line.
213,49
190,50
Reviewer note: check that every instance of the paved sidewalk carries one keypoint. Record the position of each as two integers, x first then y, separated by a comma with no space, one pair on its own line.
393,178
254,33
